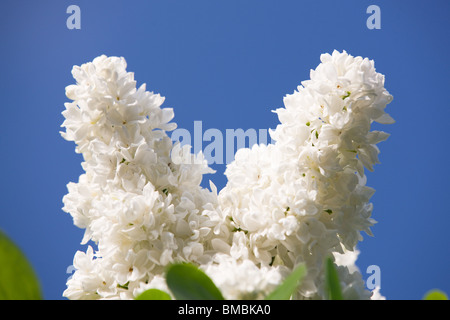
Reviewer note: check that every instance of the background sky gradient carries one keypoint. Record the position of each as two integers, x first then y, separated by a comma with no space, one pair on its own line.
228,64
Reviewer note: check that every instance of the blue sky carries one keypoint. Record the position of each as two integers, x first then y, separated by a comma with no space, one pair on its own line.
228,64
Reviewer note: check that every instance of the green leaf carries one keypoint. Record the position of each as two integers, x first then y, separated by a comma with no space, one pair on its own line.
153,294
435,294
18,280
187,282
332,281
285,290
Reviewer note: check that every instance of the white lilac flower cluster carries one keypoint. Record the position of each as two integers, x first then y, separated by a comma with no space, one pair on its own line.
142,210
304,198
299,200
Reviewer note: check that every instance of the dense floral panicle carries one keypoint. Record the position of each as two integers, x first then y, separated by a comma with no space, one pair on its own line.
299,200
304,197
139,207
